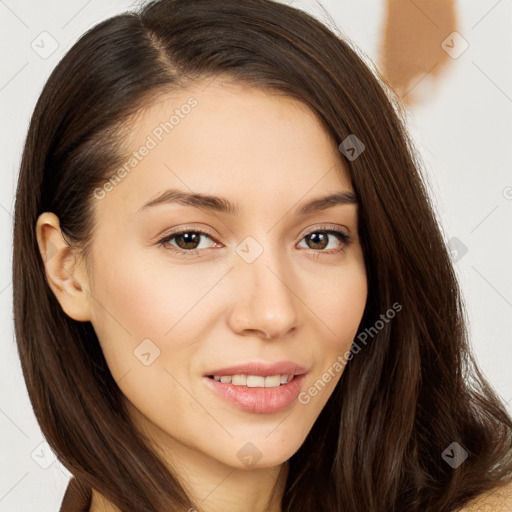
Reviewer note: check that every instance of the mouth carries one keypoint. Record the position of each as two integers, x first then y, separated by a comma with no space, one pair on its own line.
254,381
257,373
257,393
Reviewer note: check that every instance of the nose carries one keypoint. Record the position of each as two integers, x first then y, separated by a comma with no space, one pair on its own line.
264,301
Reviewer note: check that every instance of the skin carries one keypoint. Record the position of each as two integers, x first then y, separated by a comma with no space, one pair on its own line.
297,301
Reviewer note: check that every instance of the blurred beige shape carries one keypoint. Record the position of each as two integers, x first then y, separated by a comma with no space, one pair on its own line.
411,56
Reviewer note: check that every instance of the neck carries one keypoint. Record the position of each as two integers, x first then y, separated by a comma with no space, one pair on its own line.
229,490
210,484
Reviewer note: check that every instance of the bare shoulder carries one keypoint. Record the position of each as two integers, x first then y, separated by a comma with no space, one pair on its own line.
497,500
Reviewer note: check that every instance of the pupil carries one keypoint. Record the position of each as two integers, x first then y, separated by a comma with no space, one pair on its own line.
323,243
186,236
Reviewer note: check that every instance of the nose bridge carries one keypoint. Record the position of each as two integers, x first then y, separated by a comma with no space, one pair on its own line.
264,298
264,258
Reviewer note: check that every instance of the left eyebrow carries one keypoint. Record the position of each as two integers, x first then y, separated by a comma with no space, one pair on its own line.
322,203
223,205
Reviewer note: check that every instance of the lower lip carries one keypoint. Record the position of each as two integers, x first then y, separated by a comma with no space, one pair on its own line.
258,400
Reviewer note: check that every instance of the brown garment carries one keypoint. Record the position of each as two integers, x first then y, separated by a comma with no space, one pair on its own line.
77,497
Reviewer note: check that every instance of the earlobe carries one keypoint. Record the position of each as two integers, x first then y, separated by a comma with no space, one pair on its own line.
65,274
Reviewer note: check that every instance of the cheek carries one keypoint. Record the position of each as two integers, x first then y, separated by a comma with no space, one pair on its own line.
145,297
135,300
341,305
147,321
340,309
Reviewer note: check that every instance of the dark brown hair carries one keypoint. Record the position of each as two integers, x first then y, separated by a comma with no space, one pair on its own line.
400,402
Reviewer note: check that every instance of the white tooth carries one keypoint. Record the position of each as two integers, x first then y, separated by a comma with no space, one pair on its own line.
255,381
272,381
239,380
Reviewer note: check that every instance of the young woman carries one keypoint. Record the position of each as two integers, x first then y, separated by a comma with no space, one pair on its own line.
231,291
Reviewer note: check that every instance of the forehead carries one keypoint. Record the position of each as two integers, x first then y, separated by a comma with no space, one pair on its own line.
228,139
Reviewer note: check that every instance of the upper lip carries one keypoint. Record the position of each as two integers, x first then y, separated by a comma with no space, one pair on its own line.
261,368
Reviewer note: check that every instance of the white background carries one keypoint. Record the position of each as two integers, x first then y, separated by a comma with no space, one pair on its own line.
463,130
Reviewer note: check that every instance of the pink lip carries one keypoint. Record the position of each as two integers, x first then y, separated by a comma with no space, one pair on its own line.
258,400
261,368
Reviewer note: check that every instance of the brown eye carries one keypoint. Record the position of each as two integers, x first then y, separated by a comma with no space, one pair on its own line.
319,240
187,241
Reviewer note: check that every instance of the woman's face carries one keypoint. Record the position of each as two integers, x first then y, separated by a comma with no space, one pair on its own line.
265,284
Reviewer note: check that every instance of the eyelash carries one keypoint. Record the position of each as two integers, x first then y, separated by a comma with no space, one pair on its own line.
345,240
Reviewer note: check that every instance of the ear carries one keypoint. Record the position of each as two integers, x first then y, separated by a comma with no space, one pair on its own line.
65,273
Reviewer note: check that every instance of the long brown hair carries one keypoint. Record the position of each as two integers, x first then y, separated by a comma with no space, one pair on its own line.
410,392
